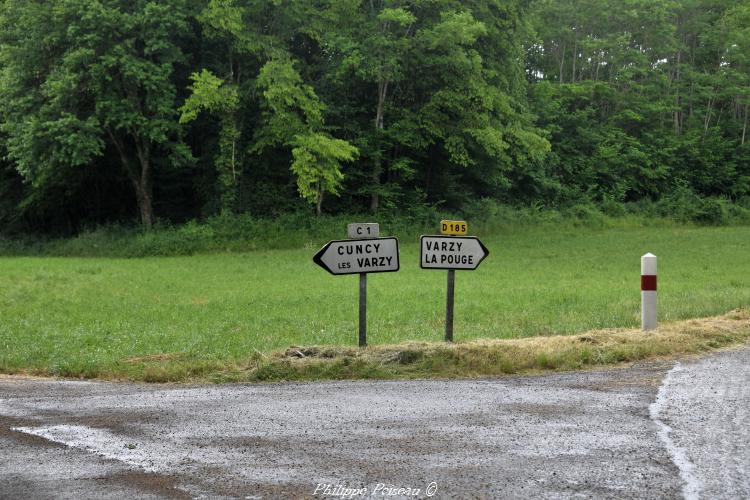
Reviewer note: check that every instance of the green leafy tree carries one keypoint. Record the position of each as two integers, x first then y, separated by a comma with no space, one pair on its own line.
317,165
214,95
651,97
83,79
220,90
293,116
442,113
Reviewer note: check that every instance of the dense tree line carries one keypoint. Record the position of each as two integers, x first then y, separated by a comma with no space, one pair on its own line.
114,110
642,97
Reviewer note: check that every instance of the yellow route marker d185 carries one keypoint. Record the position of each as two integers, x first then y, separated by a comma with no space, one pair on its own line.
454,227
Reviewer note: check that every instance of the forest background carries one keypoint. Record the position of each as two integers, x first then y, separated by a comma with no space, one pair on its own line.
135,113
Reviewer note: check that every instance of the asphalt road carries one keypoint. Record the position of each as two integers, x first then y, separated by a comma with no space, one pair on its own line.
658,430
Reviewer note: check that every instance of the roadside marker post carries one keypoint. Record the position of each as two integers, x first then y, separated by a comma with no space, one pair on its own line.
450,251
648,292
363,254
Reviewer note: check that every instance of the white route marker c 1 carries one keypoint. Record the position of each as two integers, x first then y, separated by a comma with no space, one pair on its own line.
363,230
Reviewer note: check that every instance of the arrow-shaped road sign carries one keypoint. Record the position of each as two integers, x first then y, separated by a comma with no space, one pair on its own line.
377,255
451,252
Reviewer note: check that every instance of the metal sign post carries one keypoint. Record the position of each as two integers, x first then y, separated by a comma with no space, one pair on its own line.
451,252
361,255
362,309
449,306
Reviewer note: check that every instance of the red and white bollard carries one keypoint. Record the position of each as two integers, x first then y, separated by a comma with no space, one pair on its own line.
648,292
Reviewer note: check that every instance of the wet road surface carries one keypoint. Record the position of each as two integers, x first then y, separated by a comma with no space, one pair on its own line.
656,430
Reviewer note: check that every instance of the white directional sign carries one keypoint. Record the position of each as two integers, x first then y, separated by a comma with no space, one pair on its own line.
379,255
363,230
451,252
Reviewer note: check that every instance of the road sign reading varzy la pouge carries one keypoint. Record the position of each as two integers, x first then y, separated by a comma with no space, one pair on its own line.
366,254
451,253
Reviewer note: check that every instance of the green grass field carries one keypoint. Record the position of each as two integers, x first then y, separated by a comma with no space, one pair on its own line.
87,317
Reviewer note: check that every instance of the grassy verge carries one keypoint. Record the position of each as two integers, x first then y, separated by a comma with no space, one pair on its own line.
483,358
201,315
479,358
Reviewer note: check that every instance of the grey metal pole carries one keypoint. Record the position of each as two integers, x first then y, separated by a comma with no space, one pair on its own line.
362,309
449,306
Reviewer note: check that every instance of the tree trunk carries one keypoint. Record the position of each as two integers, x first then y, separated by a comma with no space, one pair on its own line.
598,62
377,169
140,177
677,111
707,118
319,203
562,62
144,191
744,127
234,158
144,197
575,57
375,197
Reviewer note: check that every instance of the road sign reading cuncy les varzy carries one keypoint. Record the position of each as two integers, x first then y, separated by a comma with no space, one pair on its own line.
365,254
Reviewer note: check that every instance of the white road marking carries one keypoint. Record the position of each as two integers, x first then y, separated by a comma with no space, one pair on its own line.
97,441
692,486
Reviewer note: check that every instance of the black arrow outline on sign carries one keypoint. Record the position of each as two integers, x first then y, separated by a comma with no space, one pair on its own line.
445,236
318,257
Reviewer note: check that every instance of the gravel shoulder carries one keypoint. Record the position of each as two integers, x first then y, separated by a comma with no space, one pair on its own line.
704,408
564,435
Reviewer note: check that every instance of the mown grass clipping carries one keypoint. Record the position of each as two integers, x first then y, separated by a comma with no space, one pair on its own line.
472,359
